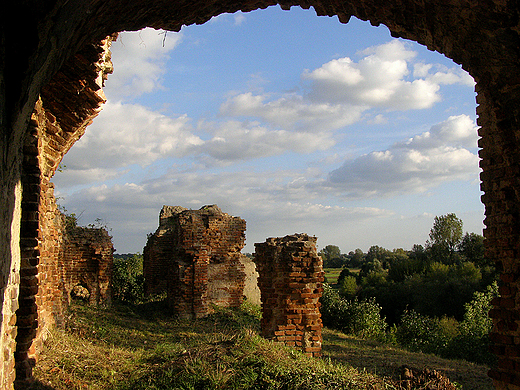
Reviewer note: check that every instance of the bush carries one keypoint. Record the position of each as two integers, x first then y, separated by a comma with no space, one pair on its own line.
473,342
357,318
128,279
446,337
419,333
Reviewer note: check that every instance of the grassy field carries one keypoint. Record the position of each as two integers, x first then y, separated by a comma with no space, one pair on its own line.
140,347
332,274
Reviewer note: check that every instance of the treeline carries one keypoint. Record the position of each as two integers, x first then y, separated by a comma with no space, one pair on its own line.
436,279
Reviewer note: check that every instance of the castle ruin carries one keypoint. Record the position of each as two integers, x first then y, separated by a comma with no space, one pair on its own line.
53,62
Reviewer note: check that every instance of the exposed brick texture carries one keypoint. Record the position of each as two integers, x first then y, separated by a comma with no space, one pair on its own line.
483,36
291,283
55,259
86,260
195,255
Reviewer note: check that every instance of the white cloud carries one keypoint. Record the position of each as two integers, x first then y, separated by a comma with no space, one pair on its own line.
459,131
139,62
341,90
292,112
420,163
377,80
233,140
265,199
131,134
239,18
382,79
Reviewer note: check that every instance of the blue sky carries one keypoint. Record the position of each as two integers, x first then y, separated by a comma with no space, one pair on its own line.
294,122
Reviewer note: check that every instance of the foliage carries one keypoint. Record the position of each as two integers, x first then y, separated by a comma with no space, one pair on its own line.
447,337
128,279
359,318
331,256
445,236
348,287
420,333
472,249
70,220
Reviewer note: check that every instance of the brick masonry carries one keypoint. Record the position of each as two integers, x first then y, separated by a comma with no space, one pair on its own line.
482,36
195,256
56,257
291,283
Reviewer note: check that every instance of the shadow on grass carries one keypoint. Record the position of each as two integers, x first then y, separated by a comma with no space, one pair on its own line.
384,360
37,385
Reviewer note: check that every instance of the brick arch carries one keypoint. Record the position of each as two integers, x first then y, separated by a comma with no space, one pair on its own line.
483,37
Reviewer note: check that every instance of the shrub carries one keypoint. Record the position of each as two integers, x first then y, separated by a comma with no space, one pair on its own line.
128,279
419,333
358,318
446,337
473,342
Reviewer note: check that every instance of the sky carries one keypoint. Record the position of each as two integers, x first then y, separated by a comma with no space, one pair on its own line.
294,122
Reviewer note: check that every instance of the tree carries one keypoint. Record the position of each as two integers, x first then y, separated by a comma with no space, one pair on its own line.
356,258
377,252
348,287
445,236
472,249
330,253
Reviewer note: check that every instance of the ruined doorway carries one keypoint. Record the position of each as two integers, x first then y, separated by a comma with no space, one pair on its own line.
146,40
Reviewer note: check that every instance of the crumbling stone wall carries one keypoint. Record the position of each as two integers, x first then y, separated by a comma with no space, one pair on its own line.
290,280
195,255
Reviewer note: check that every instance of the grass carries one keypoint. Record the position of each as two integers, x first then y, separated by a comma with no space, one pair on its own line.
140,347
332,274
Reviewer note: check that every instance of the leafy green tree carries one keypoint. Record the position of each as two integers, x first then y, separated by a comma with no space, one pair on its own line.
128,279
377,253
472,249
348,287
445,236
330,255
356,258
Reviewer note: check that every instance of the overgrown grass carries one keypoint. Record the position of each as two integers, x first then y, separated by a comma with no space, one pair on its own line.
332,274
141,347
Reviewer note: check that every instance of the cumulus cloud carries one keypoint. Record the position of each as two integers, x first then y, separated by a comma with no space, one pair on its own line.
140,59
414,165
341,90
234,140
292,111
131,134
378,80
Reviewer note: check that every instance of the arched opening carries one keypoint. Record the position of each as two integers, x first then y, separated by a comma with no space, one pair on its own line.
413,83
496,116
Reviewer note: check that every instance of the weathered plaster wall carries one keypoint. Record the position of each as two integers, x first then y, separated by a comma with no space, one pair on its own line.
291,283
483,36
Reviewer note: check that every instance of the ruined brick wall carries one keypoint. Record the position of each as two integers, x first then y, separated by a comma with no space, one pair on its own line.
482,36
73,96
86,261
500,176
290,280
196,255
